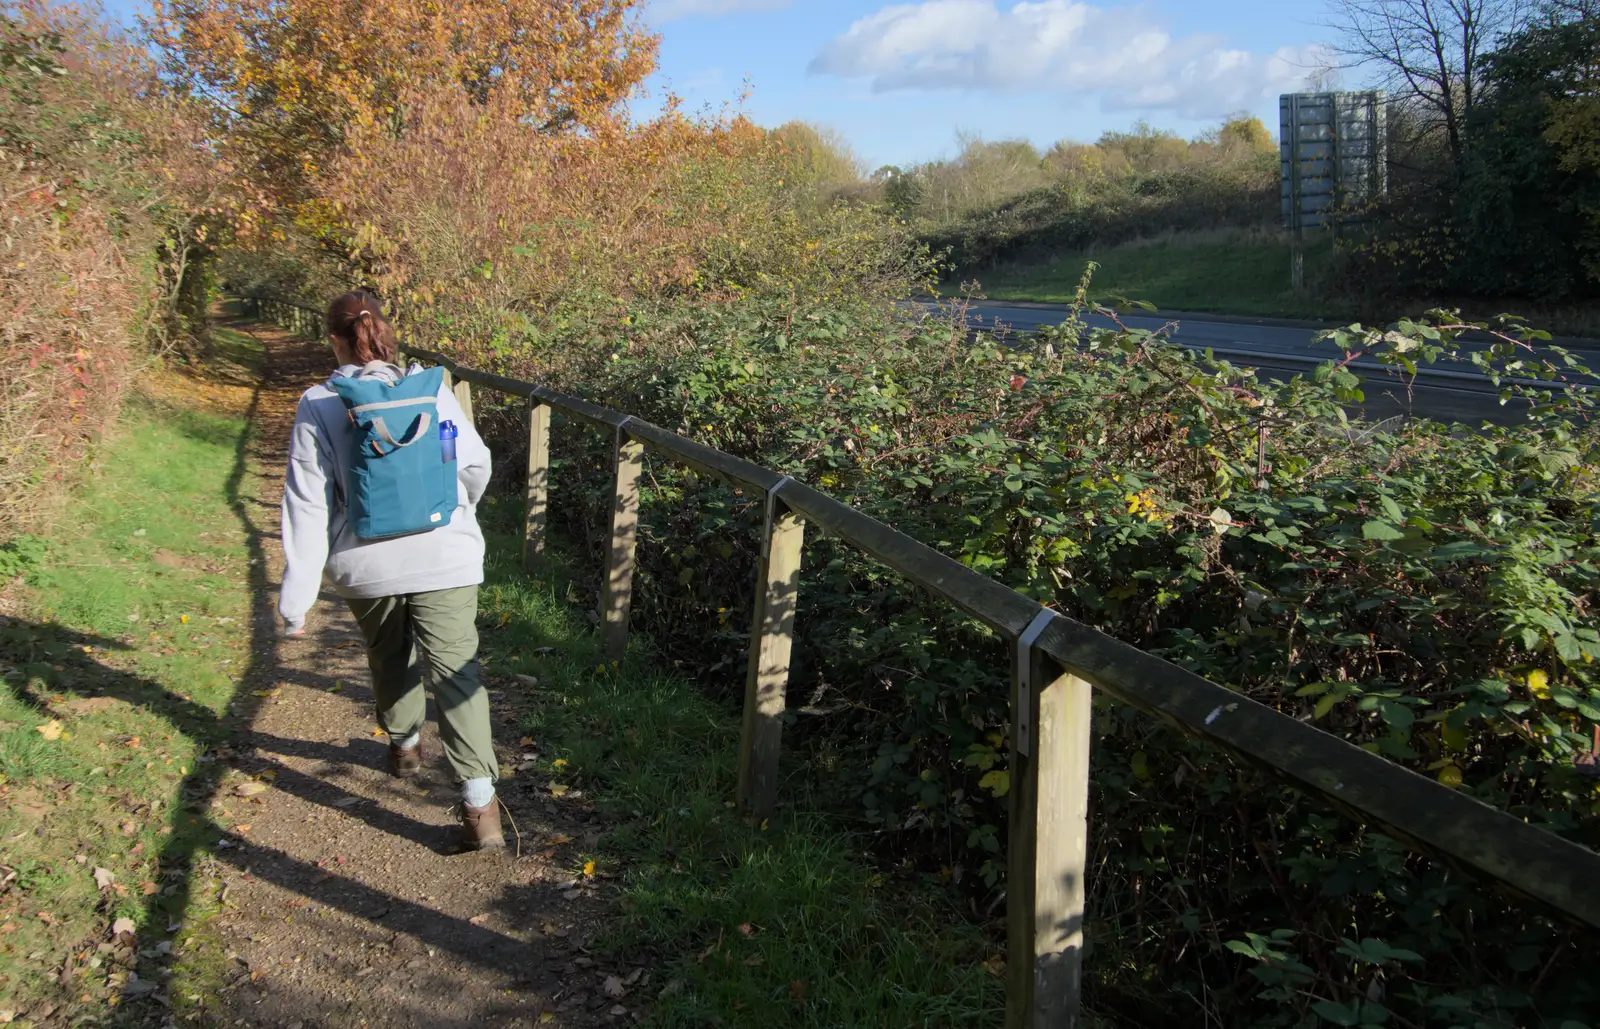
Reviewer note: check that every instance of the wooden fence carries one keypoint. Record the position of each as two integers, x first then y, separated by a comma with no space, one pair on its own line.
1056,665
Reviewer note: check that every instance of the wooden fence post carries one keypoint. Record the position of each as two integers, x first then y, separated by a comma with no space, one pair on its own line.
1048,842
616,593
771,637
463,391
538,484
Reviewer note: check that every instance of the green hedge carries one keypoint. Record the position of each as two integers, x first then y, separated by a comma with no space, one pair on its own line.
1426,593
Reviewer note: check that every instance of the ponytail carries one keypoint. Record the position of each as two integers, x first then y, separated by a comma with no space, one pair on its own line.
356,320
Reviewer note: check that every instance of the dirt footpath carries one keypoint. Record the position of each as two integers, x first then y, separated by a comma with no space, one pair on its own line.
343,904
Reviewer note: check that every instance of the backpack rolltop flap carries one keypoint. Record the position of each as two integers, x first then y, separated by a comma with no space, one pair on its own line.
370,418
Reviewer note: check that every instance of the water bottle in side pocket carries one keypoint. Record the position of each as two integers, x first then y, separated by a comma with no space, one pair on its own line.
447,441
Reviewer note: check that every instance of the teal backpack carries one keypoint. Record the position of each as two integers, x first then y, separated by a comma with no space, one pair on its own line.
400,481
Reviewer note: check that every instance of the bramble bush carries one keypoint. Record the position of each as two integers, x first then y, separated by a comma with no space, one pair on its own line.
1425,592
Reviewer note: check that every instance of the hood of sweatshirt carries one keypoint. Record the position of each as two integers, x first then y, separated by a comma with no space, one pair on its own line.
390,373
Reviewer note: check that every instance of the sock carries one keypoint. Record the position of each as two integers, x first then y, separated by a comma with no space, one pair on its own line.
477,792
408,742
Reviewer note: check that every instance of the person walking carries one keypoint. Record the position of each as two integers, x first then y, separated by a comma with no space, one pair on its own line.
415,596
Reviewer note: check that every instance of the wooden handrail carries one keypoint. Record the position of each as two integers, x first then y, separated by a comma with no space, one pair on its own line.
1058,660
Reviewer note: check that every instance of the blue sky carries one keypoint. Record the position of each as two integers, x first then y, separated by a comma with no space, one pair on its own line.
900,79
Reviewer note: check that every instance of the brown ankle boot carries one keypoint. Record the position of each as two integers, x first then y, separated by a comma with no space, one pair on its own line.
480,827
404,761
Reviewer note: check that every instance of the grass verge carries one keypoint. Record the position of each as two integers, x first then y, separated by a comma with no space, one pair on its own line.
1239,273
123,634
781,923
1244,274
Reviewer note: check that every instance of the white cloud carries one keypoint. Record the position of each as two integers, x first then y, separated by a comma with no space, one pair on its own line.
1116,53
660,12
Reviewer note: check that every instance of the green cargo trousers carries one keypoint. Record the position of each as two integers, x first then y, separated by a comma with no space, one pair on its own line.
433,636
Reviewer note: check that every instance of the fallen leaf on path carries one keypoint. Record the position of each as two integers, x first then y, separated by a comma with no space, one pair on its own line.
47,918
526,741
560,838
558,790
103,878
348,801
266,693
149,888
250,789
241,829
378,731
50,730
479,919
572,895
618,1011
614,988
633,977
526,680
122,925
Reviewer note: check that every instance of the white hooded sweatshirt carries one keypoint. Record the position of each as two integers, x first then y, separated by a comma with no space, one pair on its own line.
318,542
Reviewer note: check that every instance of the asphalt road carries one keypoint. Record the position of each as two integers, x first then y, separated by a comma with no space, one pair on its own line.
1454,392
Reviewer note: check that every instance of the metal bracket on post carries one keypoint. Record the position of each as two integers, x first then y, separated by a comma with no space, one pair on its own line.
771,509
1025,684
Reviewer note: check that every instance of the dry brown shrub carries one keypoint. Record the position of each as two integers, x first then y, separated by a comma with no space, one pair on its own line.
104,190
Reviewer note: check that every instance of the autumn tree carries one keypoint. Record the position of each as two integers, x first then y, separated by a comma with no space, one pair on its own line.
1428,53
293,78
818,157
